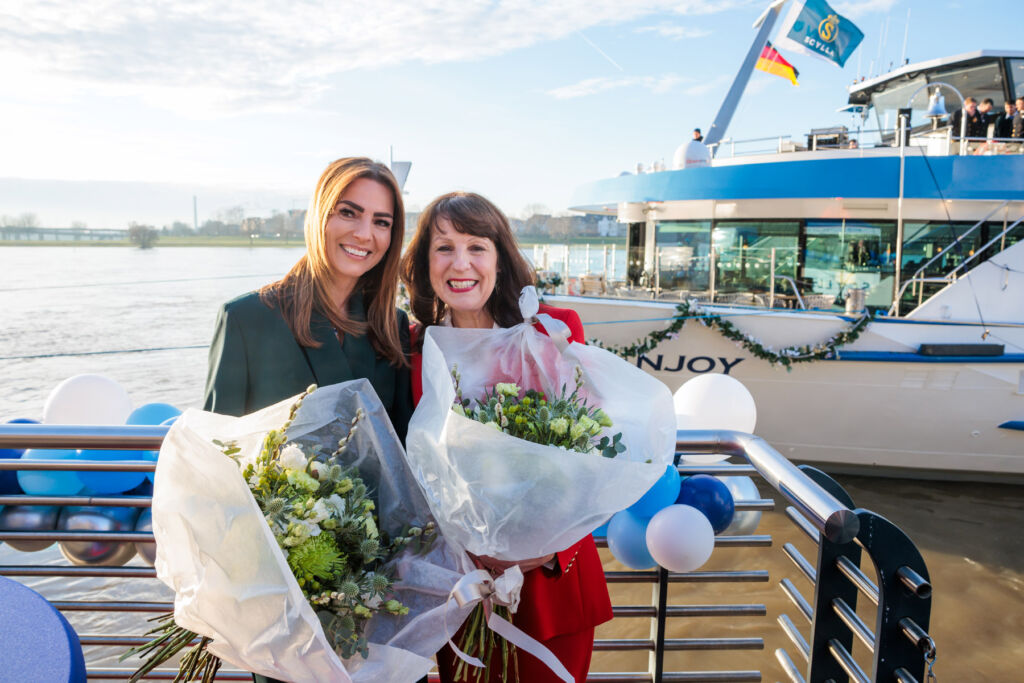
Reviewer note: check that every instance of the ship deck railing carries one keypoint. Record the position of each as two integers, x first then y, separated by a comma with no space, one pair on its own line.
932,142
862,613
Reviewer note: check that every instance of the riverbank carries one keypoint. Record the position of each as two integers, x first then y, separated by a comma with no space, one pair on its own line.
243,241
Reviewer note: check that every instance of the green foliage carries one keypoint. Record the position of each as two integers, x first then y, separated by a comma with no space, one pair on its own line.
565,421
322,515
785,357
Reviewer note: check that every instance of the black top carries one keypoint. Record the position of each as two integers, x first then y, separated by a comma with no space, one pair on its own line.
255,361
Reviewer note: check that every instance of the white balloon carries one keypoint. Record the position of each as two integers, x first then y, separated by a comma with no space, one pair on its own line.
713,401
680,538
743,522
87,400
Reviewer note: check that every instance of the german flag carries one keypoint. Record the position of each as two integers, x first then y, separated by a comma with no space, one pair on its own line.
774,63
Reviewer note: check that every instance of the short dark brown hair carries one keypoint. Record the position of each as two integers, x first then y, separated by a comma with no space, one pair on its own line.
469,214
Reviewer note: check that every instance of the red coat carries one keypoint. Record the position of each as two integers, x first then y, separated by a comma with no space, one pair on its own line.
560,606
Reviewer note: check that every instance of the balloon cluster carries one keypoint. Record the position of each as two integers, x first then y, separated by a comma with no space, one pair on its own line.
84,400
674,524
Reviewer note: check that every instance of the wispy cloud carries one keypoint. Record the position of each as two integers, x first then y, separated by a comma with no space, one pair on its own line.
705,87
675,31
592,86
234,55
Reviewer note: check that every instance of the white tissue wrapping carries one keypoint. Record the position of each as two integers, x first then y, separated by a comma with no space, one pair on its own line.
232,582
496,495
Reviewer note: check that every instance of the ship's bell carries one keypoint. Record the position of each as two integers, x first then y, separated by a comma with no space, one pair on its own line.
936,106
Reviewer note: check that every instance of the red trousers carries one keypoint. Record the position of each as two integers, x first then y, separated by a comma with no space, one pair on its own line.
572,649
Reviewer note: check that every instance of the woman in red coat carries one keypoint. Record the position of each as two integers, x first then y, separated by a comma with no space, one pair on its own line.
463,269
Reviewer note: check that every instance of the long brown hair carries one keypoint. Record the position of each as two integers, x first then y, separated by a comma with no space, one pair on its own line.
469,214
307,285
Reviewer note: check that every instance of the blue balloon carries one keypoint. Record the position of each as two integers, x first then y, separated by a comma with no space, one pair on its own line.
56,483
627,539
601,531
143,489
152,414
110,482
153,455
9,478
711,497
661,495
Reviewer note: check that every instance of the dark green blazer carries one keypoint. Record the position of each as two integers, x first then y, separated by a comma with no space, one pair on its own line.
255,361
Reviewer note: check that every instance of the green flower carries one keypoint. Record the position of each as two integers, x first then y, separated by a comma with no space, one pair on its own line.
602,418
395,607
494,424
506,388
362,611
459,410
300,479
559,425
576,431
317,556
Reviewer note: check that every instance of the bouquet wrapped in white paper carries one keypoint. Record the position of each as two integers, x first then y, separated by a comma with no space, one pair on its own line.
223,555
497,495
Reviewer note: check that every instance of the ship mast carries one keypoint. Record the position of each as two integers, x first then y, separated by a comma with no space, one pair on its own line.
765,22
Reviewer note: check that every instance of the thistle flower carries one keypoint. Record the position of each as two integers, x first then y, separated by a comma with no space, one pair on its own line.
379,583
369,548
274,506
350,589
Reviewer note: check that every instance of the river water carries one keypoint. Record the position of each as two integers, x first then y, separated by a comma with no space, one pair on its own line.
144,318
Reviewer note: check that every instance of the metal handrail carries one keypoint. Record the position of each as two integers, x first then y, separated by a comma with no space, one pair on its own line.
907,283
977,253
833,519
958,239
821,512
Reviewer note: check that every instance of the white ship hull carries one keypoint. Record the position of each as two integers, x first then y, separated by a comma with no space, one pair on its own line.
879,405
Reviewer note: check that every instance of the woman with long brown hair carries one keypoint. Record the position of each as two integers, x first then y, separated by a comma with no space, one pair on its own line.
332,317
464,269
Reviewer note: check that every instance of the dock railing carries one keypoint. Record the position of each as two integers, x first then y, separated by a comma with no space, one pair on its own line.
847,538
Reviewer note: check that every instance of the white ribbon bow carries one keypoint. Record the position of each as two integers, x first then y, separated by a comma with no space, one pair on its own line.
529,305
479,586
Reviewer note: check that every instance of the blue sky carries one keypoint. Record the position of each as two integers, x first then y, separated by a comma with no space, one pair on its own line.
246,102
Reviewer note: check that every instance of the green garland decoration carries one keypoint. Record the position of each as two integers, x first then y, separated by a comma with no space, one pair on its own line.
547,283
785,357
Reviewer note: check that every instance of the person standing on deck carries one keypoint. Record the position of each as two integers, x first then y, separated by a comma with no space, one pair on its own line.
463,269
332,317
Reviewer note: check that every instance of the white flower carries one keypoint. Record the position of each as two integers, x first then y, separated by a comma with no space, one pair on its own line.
320,511
292,458
336,502
318,469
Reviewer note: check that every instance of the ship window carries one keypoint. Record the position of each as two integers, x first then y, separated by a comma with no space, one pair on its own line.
1016,69
743,255
978,82
683,252
887,102
843,255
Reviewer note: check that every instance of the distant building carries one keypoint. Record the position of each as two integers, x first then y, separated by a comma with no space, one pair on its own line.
10,233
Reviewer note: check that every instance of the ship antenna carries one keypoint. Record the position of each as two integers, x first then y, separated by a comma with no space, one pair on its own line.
906,32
